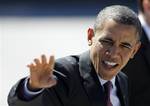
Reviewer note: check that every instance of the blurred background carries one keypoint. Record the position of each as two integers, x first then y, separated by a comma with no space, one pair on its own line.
29,28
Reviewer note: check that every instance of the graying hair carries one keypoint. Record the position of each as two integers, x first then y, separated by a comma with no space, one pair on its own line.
120,14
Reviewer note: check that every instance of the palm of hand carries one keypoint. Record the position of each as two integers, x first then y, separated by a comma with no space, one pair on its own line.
41,73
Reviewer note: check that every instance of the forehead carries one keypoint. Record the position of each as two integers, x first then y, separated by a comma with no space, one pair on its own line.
117,31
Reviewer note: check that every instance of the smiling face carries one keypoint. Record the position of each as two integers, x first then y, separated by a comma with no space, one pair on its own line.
112,47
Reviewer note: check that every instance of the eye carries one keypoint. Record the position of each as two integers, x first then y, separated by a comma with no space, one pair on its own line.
106,42
126,45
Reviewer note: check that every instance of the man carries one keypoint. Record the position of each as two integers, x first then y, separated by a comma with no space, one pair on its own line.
92,78
138,69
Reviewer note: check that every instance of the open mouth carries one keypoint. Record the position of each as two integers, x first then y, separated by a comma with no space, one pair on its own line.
109,64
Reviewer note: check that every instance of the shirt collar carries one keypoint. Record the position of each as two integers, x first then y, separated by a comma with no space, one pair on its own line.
145,26
102,81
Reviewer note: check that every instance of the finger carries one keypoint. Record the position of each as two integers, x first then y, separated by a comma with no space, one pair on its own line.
37,61
44,61
51,62
31,66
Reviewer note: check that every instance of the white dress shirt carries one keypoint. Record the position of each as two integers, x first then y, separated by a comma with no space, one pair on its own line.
113,93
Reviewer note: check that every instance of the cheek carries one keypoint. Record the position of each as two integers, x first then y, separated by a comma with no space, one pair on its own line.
97,51
98,47
126,57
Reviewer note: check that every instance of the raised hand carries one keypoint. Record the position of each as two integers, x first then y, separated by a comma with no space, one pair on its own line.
41,73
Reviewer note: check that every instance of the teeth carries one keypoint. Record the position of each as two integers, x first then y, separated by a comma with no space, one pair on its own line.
110,63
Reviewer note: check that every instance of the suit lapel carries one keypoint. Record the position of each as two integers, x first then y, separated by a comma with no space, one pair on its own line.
91,82
122,91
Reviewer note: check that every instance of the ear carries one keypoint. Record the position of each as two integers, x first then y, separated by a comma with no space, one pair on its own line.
137,46
90,34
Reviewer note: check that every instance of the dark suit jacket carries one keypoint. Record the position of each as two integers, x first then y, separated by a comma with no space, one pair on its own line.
78,85
138,72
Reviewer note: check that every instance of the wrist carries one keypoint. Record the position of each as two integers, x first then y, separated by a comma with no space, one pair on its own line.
31,87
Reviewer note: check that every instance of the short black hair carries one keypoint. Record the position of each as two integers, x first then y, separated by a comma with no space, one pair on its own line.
120,14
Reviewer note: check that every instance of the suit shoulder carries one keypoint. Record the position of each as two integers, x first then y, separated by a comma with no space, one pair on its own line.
66,65
123,76
68,60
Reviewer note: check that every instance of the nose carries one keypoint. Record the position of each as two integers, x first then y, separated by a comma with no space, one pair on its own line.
113,51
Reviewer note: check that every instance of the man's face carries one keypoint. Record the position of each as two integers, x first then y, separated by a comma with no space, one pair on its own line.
112,47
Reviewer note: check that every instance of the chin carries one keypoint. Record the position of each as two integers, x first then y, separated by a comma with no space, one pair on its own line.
109,76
